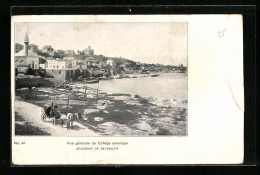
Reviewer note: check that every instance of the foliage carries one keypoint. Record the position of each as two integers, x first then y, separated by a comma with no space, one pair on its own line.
42,61
59,55
18,47
44,54
30,71
77,74
80,52
32,82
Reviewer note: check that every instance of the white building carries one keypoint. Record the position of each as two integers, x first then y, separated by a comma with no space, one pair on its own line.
69,58
60,64
55,64
42,66
110,62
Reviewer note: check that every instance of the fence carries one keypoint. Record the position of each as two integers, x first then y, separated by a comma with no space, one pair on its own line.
95,92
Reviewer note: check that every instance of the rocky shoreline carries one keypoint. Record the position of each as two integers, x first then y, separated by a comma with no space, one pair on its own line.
117,114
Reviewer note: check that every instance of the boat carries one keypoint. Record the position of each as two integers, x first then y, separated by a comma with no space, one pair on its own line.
156,75
91,81
123,76
105,78
145,72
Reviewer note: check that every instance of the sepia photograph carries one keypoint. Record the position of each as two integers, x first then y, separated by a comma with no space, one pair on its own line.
100,79
127,89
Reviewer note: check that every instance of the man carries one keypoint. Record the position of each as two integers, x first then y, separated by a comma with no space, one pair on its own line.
49,110
55,112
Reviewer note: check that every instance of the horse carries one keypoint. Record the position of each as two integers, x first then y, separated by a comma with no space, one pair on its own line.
70,117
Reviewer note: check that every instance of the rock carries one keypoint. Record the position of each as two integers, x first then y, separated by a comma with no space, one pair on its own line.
98,119
88,111
137,96
101,107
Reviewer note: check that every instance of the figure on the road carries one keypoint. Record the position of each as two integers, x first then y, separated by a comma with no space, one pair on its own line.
55,112
49,111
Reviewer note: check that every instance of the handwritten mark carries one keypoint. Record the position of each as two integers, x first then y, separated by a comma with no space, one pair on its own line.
221,33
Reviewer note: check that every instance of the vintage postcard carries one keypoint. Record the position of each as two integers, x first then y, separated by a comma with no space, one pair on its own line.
142,89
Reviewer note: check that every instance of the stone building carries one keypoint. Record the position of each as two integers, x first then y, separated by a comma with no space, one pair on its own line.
25,58
88,51
110,62
61,70
69,52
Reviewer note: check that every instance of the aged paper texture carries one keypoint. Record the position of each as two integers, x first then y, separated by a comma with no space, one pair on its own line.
127,89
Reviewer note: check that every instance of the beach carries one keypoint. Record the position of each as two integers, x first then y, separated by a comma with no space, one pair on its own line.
139,106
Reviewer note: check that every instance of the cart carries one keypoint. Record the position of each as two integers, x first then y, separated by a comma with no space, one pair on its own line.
68,120
54,120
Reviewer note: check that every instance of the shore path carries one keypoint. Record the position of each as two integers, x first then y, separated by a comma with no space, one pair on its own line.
32,114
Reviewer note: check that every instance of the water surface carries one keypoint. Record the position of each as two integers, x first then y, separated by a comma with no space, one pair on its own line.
167,85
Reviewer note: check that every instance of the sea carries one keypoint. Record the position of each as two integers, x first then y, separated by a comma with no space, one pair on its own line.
166,85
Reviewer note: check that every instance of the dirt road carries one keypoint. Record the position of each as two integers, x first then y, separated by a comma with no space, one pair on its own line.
32,114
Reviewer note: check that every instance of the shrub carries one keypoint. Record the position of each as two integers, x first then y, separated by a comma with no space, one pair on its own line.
30,71
32,82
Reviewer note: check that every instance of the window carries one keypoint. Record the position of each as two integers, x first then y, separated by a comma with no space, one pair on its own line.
32,64
59,71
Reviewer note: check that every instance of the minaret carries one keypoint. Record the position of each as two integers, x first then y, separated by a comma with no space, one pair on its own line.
26,42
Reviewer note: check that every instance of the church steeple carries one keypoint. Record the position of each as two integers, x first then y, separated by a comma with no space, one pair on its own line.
26,42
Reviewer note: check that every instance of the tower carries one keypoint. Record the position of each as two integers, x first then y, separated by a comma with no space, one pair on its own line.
26,42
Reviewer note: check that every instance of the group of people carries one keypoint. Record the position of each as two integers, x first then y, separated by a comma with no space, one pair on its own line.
52,111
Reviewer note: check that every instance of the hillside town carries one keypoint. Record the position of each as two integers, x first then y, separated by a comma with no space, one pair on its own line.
67,65
93,95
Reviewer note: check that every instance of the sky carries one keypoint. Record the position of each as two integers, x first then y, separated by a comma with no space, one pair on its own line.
163,43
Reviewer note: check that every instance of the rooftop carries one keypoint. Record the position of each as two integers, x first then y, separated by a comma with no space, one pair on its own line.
22,53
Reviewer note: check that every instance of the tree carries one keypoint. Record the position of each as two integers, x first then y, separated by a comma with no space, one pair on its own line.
30,71
32,82
42,61
58,55
80,52
16,71
44,54
18,47
77,74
